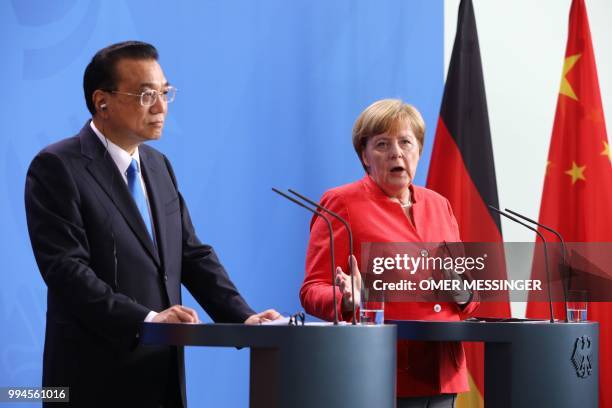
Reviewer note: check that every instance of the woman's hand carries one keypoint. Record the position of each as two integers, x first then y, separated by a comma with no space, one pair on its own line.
460,296
343,281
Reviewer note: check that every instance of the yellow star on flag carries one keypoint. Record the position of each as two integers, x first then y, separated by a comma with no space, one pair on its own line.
576,172
566,87
606,150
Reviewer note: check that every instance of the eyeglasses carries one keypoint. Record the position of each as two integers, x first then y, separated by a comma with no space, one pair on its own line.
149,97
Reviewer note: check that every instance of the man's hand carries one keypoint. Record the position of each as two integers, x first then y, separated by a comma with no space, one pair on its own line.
263,317
177,314
344,283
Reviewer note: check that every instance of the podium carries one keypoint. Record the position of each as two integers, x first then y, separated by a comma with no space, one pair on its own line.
527,363
315,365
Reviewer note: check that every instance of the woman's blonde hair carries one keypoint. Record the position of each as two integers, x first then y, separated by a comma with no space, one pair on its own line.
386,116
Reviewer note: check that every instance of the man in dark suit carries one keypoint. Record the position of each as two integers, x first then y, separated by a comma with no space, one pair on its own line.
114,241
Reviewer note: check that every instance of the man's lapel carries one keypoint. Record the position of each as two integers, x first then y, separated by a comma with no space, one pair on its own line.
105,172
151,175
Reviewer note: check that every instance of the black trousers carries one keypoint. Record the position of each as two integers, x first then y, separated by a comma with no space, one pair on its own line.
172,395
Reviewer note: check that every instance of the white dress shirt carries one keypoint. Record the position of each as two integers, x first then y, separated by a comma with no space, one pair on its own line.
122,160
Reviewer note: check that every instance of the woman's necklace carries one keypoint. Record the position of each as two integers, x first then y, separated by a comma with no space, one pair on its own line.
408,204
404,204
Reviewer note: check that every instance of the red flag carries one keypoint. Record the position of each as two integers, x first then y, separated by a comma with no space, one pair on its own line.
577,194
463,171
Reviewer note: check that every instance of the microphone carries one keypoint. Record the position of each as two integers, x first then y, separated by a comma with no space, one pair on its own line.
563,252
350,234
331,245
498,211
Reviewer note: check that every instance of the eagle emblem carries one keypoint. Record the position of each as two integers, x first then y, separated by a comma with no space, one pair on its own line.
581,357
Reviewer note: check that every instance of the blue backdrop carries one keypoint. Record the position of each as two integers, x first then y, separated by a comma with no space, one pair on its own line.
268,93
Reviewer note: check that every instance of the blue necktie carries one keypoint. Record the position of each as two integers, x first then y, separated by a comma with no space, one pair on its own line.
135,187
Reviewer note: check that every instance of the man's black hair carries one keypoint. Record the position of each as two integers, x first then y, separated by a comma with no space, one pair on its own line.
100,72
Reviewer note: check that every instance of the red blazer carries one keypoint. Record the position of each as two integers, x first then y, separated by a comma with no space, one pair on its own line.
423,368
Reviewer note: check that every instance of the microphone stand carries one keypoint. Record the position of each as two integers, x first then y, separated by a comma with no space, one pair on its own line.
331,245
350,234
552,319
563,252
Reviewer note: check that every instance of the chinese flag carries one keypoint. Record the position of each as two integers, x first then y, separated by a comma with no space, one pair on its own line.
577,196
462,169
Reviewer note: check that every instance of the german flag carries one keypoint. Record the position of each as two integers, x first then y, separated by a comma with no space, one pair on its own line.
462,169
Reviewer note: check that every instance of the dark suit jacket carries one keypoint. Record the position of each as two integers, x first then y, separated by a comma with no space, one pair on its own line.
104,274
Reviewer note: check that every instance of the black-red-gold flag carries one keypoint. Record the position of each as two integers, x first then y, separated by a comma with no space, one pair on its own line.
462,168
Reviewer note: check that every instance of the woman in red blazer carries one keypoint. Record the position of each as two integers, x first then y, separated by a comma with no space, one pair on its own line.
384,206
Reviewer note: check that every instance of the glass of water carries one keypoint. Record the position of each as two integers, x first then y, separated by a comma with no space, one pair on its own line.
577,305
371,311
